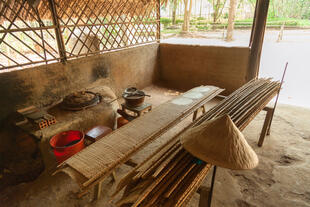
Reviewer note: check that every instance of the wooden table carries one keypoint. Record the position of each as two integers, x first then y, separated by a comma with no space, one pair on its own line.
93,164
170,176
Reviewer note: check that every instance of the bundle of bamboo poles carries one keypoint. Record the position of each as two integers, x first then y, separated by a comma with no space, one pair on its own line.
170,176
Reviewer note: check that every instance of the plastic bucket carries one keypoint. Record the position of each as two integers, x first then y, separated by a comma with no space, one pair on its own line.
66,144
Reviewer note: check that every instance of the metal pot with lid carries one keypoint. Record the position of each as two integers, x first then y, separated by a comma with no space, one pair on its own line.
134,97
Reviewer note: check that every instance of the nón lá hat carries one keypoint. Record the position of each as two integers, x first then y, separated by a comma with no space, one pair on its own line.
220,142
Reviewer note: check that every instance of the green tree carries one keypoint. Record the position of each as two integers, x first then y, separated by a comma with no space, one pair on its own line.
231,19
218,6
289,9
174,10
187,14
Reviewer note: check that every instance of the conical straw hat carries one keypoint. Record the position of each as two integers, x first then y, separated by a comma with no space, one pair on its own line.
220,142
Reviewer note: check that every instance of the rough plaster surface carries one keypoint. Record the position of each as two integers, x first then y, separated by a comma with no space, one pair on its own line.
281,178
187,66
43,85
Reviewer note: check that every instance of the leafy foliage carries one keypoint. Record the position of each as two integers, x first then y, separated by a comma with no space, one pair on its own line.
290,9
218,6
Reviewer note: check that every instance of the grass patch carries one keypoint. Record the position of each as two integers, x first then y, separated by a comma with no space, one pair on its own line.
204,24
277,22
170,31
165,20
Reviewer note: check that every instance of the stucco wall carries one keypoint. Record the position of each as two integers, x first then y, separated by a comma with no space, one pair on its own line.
186,66
44,84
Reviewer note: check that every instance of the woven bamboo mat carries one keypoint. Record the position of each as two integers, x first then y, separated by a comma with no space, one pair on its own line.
117,147
171,175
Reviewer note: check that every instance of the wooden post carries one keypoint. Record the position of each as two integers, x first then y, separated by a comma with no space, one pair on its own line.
275,104
60,42
257,38
203,199
97,191
212,186
158,21
113,176
197,110
280,36
270,113
195,114
266,125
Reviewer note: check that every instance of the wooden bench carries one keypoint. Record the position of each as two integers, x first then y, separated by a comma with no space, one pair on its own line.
93,164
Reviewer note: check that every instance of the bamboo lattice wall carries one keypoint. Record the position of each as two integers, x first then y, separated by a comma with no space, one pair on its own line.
43,31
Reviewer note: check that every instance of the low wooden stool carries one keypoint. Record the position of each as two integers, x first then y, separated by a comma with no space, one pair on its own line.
138,111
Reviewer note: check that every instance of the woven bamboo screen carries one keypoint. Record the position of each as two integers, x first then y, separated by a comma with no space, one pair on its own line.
43,31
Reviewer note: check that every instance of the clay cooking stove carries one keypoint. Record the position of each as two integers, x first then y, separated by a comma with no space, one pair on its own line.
80,100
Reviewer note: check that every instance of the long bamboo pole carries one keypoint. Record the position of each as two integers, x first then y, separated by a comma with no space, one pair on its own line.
172,187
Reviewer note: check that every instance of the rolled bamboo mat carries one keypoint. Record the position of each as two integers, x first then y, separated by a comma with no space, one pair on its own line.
171,176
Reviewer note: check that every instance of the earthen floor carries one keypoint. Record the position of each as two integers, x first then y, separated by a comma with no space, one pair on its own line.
282,177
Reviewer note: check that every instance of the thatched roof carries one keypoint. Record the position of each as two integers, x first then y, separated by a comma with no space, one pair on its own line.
29,9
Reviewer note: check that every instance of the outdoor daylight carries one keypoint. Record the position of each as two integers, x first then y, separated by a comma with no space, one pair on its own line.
229,23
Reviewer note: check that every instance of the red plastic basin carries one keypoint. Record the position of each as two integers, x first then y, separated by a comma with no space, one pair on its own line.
66,144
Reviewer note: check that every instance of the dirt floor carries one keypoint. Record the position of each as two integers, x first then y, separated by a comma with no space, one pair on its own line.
281,178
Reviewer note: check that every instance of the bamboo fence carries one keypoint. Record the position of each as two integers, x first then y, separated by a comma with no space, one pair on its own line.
42,31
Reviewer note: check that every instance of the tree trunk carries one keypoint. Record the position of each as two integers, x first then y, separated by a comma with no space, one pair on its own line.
200,8
184,27
216,9
195,7
218,6
174,11
231,19
187,15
